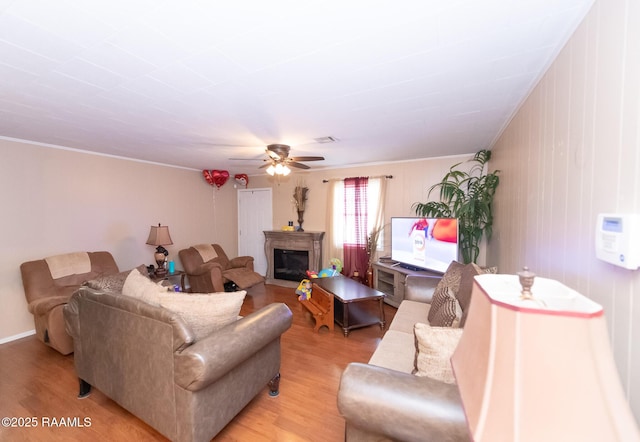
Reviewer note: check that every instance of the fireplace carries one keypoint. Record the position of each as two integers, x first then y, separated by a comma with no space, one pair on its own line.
291,265
291,254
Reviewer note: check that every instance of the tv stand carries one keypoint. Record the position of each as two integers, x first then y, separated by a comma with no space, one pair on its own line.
389,278
409,267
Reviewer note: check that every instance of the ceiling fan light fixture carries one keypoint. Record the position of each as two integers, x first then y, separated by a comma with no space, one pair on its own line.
277,168
279,162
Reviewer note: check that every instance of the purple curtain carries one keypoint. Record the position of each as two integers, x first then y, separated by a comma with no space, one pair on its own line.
355,231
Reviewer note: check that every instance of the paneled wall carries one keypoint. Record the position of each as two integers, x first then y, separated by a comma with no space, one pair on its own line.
573,151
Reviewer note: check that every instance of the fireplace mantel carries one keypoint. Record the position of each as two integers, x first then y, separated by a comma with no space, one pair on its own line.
307,241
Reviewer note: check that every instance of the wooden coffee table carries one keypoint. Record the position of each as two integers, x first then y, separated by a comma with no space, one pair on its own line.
356,304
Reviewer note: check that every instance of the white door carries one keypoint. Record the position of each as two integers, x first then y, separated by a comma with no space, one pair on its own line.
255,215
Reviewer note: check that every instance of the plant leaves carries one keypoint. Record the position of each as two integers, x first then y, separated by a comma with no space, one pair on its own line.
467,196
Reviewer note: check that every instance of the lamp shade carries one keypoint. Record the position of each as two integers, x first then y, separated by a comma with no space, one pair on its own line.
538,370
159,236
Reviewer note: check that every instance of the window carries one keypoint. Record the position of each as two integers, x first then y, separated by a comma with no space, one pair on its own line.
356,210
344,215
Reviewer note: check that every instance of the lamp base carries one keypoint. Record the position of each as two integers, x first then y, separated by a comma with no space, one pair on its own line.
160,257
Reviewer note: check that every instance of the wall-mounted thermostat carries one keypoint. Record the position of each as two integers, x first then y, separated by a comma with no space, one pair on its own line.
618,239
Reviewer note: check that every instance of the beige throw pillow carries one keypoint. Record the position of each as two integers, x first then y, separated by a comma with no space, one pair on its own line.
434,348
205,313
141,287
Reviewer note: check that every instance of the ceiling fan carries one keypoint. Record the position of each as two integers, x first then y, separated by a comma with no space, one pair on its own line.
279,162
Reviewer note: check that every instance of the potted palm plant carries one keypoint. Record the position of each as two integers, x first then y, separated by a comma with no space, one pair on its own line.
467,196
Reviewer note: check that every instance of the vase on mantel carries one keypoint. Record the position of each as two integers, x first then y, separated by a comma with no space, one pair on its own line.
300,220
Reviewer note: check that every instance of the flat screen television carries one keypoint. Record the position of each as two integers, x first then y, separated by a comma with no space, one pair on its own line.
424,243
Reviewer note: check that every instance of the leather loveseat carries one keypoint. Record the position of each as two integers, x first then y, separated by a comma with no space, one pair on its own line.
147,359
50,282
383,400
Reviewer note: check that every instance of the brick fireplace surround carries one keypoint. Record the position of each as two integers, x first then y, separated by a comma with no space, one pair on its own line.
310,242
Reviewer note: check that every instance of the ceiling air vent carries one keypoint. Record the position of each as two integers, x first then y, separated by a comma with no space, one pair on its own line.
324,140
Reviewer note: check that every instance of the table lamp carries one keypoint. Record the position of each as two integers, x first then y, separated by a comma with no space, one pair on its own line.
159,236
534,363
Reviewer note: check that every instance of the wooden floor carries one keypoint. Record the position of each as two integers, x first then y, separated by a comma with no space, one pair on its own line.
39,385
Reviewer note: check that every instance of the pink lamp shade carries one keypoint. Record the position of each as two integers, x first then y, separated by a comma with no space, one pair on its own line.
539,370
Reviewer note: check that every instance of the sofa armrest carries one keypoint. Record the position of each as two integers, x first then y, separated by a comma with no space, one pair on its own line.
214,356
420,287
401,406
43,306
71,316
205,268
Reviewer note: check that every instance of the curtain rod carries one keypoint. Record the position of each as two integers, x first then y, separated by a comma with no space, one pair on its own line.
379,176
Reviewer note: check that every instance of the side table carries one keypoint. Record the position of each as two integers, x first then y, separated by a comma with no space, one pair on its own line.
168,276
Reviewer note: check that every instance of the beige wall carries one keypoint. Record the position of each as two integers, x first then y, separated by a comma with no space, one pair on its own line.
571,152
57,201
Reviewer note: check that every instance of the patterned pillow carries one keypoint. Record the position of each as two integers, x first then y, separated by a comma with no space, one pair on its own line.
205,313
446,312
434,347
113,283
444,291
466,285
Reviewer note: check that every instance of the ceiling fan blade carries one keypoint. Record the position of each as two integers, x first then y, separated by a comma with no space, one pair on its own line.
266,164
307,159
298,165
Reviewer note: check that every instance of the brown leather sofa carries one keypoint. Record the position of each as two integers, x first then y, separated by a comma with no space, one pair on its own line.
383,401
208,268
50,282
146,359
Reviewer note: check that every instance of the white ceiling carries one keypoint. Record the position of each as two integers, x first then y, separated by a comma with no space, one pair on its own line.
188,82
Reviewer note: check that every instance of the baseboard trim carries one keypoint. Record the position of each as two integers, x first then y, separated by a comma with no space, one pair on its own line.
18,336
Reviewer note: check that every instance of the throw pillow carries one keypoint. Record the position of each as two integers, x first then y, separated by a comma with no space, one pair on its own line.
447,288
113,283
466,285
434,347
205,313
141,287
446,314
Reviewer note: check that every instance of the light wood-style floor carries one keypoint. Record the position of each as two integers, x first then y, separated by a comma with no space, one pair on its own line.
39,384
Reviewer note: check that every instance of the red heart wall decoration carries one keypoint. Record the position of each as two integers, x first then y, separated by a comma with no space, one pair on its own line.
242,179
207,176
219,177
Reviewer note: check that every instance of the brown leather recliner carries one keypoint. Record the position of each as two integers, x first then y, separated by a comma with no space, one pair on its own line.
50,282
208,268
